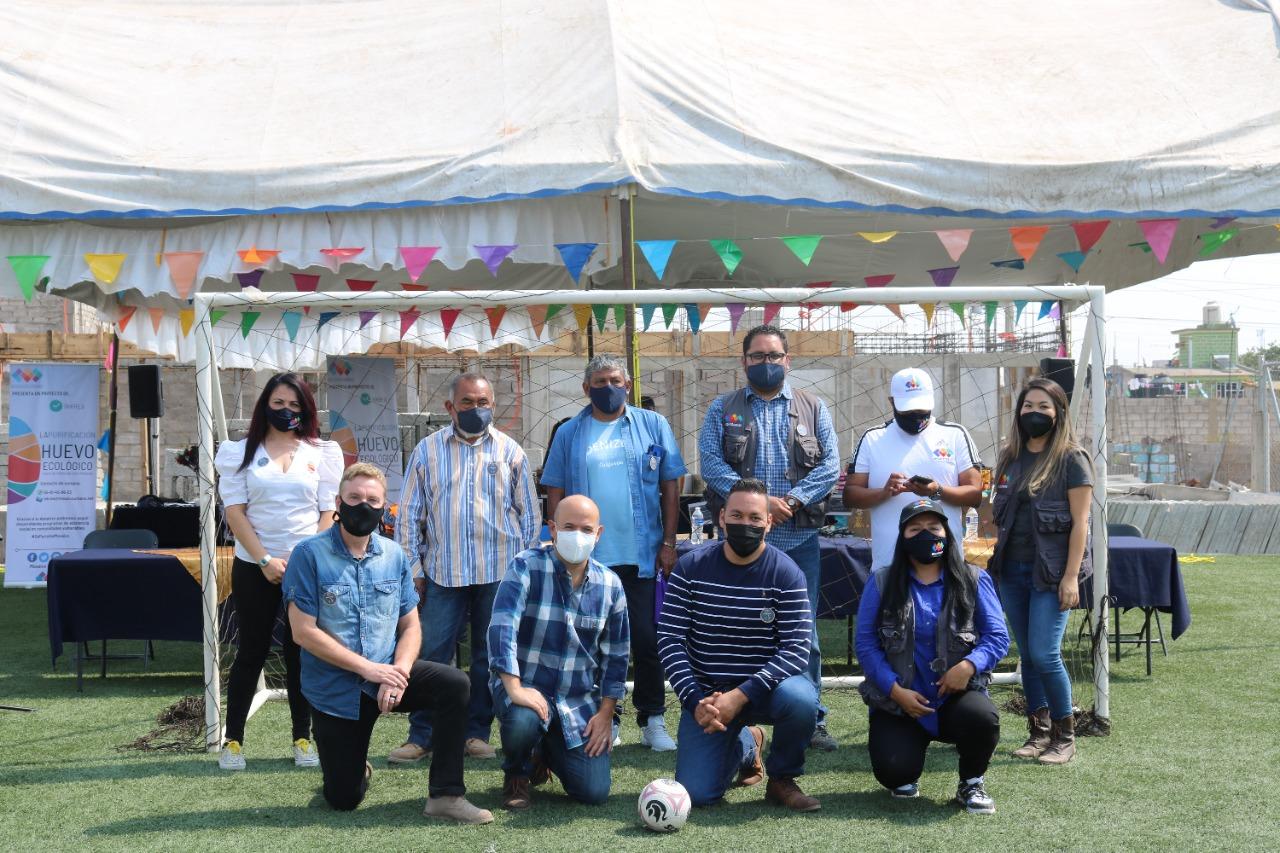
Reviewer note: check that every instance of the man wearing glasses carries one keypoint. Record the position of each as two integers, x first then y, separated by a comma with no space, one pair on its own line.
783,436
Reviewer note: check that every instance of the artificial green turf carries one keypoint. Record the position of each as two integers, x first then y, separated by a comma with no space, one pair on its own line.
1193,762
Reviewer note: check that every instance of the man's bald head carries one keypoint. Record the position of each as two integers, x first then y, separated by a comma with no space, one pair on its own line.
577,512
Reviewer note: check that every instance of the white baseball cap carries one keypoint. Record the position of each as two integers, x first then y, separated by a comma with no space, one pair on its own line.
912,390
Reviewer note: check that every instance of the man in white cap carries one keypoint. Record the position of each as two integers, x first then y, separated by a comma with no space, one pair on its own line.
912,456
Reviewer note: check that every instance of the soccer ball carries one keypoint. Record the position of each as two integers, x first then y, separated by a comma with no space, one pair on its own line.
663,805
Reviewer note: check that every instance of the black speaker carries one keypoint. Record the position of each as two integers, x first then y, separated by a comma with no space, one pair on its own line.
1062,371
146,399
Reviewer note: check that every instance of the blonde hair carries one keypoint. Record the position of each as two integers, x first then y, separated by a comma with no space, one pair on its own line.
363,469
1062,439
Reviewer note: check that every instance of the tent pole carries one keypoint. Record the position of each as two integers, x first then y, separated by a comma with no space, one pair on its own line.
205,379
627,216
112,398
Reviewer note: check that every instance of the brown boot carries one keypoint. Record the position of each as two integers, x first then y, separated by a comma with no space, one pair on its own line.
754,774
1038,735
515,794
1062,742
541,774
784,791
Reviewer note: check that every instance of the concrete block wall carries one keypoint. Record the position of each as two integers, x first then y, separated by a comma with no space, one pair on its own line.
1178,439
45,313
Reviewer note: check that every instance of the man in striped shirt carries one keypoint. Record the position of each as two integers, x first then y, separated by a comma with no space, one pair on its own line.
468,508
734,639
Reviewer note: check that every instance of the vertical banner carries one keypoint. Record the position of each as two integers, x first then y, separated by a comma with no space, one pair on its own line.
53,466
362,415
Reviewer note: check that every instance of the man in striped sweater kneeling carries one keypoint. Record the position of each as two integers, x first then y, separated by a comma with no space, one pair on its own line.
734,639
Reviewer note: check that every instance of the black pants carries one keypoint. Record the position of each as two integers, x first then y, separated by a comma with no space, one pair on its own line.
343,745
649,696
897,743
257,603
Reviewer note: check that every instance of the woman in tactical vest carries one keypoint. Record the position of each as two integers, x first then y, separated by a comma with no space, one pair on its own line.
930,631
1044,483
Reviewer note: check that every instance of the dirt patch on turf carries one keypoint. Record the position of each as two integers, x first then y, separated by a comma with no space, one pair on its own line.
179,728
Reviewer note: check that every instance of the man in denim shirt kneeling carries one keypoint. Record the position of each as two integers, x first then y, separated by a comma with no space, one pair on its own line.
353,609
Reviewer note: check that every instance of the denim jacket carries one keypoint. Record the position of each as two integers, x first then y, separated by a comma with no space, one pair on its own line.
357,602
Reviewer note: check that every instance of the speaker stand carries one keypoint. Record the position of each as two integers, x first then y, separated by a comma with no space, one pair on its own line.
153,454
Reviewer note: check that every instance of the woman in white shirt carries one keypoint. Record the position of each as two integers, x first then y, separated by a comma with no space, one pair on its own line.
277,487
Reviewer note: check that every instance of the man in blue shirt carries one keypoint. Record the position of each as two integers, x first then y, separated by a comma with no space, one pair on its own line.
558,653
353,610
783,436
627,461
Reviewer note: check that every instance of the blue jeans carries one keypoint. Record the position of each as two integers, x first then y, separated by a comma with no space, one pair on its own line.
707,763
443,614
585,779
809,558
1038,626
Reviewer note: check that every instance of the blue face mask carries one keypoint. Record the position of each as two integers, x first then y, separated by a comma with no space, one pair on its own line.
766,376
474,421
608,399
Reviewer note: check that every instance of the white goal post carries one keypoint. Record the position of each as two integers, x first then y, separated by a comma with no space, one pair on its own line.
212,420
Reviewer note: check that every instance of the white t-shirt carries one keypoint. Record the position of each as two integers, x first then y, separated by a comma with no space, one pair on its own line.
283,506
942,453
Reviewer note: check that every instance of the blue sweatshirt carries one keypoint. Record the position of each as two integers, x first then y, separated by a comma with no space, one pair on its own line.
993,639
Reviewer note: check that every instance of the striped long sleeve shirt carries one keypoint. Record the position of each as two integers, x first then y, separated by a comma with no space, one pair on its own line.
725,626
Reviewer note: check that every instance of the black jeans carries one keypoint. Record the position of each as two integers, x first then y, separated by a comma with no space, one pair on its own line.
257,603
649,696
897,743
343,745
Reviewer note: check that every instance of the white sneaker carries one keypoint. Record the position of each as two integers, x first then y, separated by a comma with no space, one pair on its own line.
654,735
304,755
617,735
231,757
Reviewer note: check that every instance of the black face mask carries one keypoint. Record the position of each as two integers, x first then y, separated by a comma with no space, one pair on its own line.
285,420
912,423
743,539
475,421
1036,424
766,377
359,519
926,547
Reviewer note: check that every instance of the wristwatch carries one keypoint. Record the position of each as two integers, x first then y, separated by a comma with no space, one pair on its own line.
793,504
262,564
937,494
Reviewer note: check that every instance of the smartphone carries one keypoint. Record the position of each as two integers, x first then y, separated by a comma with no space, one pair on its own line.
921,481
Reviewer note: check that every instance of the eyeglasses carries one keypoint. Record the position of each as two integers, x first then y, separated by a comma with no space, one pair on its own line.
761,357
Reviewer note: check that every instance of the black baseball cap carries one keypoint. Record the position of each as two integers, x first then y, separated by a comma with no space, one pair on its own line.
920,507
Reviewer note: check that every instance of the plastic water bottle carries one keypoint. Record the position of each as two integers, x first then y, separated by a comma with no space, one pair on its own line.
696,522
971,524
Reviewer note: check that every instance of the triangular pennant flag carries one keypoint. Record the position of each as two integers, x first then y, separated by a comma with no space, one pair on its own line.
575,256
553,310
1062,351
803,246
417,259
495,319
1046,308
646,314
1277,226
1026,239
1055,312
157,314
252,278
292,322
878,280
668,314
493,256
1020,305
1011,264
126,314
1215,240
695,318
105,268
306,309
771,310
928,308
186,319
848,306
944,276
1089,233
735,315
991,312
582,315
897,310
877,236
407,319
305,283
958,308
336,256
247,319
449,316
417,288
216,314
105,491
1075,260
366,316
1159,234
104,443
183,267
26,269
360,285
255,256
955,241
620,316
657,253
1219,221
730,253
325,317
815,305
602,316
1143,245
538,316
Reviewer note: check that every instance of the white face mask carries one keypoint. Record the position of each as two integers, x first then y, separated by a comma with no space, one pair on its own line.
574,546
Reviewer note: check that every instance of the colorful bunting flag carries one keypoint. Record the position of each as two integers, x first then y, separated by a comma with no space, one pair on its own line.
601,313
366,317
620,317
255,256
538,316
1075,260
493,256
582,314
878,280
944,276
26,269
929,308
735,315
668,314
771,310
958,308
413,288
292,322
991,312
1019,305
216,314
1026,239
183,267
847,306
449,316
110,356
495,319
335,257
325,317
695,318
157,314
877,236
305,283
803,246
1213,241
1159,234
1055,312
646,315
247,319
1219,221
1089,233
1046,308
1143,245
575,257
417,259
955,241
730,253
657,253
407,319
186,319
1011,264
252,278
125,315
897,311
105,268
360,285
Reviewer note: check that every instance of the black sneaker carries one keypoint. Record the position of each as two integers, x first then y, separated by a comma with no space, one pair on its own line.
822,739
974,797
909,791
